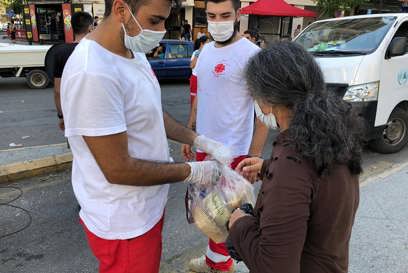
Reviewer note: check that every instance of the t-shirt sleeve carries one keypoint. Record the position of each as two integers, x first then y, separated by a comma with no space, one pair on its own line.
93,105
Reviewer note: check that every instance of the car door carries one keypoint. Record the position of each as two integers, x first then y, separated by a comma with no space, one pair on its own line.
394,79
178,59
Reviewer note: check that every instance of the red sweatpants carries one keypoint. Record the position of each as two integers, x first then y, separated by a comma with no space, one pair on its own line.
217,256
137,255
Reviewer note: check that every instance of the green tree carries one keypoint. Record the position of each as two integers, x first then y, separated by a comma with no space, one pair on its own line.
328,8
15,5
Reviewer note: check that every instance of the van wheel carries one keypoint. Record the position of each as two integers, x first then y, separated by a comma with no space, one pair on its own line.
395,134
37,79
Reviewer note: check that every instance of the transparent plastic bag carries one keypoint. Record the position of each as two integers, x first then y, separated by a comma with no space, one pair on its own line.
210,207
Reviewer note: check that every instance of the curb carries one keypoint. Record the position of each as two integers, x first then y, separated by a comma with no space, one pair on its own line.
30,168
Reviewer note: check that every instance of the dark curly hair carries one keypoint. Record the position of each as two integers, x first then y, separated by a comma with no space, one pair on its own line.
323,128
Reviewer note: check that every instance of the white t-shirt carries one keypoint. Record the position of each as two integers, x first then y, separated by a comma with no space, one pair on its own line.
103,94
225,110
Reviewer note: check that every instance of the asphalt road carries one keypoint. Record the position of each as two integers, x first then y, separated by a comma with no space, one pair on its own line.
28,116
55,242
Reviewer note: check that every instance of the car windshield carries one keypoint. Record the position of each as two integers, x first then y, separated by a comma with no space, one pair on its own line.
347,36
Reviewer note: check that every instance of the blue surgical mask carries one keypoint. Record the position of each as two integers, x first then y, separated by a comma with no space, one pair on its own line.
145,41
269,120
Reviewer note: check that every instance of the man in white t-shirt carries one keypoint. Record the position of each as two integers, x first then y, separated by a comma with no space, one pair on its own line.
224,109
118,132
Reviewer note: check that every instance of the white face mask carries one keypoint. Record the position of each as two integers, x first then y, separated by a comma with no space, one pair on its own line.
269,120
221,31
145,41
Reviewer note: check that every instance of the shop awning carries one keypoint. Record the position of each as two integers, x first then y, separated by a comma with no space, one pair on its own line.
276,8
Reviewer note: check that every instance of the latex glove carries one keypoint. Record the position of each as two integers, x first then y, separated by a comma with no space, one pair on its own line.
204,173
215,149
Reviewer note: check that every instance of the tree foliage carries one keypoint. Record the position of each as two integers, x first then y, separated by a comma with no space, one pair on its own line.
328,8
15,5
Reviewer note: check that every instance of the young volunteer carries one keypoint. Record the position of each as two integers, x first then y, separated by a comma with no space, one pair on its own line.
224,109
118,133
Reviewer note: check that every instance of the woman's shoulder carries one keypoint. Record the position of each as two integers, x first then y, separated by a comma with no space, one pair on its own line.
286,159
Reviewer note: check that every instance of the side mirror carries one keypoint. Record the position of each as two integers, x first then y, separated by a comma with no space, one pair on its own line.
398,47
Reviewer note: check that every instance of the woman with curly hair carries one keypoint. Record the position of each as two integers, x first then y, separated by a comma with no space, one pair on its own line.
309,196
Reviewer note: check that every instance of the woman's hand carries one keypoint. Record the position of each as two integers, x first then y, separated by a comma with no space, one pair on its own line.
250,168
237,214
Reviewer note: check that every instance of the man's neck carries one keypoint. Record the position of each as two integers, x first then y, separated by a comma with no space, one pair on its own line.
233,40
110,37
79,37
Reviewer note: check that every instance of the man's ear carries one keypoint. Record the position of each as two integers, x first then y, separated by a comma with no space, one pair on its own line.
118,9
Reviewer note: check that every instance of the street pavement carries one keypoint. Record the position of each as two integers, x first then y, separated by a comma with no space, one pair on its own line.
55,243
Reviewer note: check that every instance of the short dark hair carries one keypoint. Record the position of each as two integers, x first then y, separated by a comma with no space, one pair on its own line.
235,3
81,21
253,33
133,4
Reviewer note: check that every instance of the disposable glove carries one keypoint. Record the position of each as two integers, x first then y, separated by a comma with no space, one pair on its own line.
215,149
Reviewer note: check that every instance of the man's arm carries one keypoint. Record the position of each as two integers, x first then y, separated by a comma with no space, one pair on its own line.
186,149
259,138
57,94
177,132
57,100
111,154
193,116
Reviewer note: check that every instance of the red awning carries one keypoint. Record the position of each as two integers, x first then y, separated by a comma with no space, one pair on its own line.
276,8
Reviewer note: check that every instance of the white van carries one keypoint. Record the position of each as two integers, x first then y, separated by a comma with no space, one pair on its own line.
364,59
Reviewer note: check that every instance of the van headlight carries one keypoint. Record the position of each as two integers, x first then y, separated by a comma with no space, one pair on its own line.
362,92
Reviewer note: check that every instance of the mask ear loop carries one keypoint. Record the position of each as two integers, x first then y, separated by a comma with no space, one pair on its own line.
134,18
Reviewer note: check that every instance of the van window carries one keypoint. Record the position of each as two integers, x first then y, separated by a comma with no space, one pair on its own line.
346,36
403,32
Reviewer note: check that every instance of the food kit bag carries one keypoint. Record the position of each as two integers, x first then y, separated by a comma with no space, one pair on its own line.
210,207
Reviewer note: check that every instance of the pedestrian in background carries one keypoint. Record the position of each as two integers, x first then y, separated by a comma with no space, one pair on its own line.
118,132
297,30
198,46
57,56
252,35
186,31
223,108
13,31
310,185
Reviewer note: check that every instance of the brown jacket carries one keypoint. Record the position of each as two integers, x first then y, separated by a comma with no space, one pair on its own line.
302,224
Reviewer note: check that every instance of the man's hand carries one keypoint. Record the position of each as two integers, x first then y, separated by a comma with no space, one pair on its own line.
214,148
204,173
250,168
187,152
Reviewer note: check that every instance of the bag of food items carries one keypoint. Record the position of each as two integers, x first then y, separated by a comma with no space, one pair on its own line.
210,207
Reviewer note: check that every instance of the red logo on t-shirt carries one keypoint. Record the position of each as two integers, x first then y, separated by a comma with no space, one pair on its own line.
219,69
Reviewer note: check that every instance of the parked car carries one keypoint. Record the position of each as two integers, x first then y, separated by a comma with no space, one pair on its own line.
171,60
364,59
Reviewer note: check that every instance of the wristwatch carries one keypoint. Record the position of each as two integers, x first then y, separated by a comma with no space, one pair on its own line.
60,116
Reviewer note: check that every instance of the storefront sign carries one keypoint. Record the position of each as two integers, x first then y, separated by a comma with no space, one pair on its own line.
66,13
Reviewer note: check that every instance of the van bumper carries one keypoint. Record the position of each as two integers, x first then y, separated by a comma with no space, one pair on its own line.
368,111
